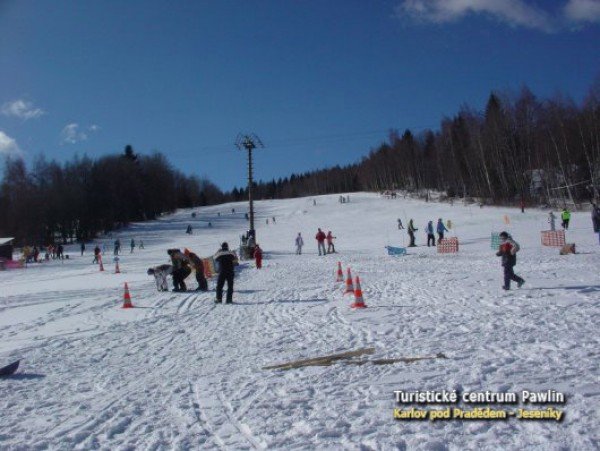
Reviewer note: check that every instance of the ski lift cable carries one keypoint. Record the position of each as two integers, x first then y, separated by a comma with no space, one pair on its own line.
573,184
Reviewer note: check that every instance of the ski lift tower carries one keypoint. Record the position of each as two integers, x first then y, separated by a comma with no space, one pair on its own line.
249,142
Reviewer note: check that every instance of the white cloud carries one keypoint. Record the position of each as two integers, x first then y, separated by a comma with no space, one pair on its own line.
21,109
583,11
512,12
72,133
8,146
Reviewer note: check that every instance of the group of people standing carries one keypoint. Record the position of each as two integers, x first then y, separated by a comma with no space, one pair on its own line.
32,254
182,264
430,230
321,238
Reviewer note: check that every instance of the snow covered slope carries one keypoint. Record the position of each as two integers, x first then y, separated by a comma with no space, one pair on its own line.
180,372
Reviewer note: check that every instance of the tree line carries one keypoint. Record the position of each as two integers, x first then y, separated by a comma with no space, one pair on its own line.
519,148
545,152
82,198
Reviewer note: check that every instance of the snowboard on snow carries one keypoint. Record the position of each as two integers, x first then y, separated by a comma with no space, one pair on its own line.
9,369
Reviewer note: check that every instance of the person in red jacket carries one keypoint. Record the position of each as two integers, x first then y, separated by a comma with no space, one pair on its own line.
258,256
508,251
320,237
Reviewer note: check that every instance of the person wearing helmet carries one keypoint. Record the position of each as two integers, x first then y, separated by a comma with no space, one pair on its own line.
508,251
225,260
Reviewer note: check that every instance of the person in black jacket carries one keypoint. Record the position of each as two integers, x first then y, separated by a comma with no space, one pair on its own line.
225,260
96,254
181,269
596,219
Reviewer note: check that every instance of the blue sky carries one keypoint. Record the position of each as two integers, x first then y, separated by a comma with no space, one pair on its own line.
320,82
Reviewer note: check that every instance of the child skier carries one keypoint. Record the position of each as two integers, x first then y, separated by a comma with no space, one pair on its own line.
508,251
96,254
299,244
258,256
429,232
566,217
330,246
411,233
160,274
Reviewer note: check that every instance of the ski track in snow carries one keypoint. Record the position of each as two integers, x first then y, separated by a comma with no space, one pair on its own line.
179,372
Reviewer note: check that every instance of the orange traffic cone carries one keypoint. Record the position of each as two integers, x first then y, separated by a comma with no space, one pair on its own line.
358,297
117,269
127,298
101,265
349,286
340,273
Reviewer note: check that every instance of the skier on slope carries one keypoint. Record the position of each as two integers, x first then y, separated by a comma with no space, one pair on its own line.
566,217
132,246
160,274
430,233
225,259
330,246
258,255
82,247
320,237
411,233
400,226
96,254
299,244
441,228
508,251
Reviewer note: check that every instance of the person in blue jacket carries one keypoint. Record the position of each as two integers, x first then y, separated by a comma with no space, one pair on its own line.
441,228
430,233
